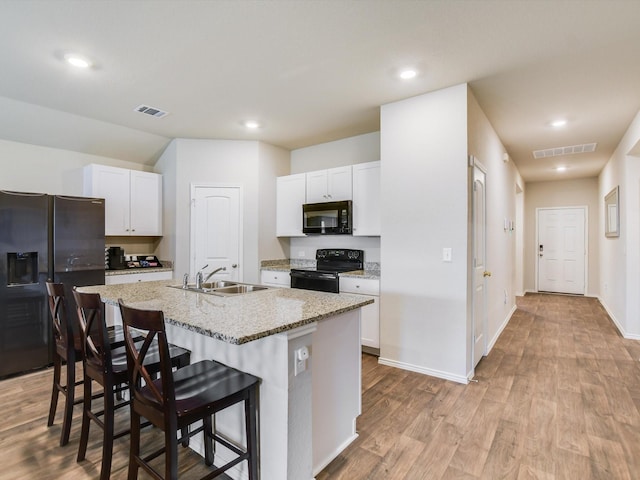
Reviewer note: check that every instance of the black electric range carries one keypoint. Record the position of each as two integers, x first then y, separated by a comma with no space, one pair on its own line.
329,264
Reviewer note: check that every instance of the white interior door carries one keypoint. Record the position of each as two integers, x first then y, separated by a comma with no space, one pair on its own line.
480,272
561,250
216,236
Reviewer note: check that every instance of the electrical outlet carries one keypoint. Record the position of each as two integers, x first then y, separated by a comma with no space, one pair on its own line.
300,357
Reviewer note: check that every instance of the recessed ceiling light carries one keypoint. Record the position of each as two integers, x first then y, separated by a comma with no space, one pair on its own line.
561,168
252,124
408,74
77,60
558,123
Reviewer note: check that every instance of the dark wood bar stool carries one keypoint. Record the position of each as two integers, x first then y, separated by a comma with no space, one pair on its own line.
107,366
177,399
68,350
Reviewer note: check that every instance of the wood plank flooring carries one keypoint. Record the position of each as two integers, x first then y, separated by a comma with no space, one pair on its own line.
557,398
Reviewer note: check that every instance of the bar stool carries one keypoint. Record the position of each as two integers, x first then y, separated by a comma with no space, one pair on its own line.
67,349
177,399
107,366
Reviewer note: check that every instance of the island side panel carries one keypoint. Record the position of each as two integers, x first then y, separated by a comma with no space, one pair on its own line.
336,371
284,400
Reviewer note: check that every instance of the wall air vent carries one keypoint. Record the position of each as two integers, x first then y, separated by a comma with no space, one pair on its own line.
558,151
154,112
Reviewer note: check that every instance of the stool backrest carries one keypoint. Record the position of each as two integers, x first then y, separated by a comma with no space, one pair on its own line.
155,394
93,329
62,329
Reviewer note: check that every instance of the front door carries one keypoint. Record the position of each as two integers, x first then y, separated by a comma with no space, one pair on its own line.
561,250
480,272
216,238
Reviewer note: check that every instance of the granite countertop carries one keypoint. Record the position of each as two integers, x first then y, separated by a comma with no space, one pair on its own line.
233,319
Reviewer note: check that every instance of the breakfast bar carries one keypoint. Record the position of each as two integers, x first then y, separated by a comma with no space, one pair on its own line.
305,347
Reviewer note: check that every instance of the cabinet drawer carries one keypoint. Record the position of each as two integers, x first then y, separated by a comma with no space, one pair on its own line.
270,277
365,286
137,277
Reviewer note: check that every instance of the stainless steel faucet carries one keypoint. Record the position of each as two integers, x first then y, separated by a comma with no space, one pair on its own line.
214,272
199,276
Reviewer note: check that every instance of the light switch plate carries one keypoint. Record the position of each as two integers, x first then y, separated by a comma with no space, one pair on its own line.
446,255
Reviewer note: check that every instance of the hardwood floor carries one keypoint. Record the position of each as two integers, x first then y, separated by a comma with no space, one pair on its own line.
557,398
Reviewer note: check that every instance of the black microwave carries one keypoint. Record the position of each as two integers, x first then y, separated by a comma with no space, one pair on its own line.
327,218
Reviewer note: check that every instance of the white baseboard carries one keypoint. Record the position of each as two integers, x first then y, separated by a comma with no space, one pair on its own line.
333,456
505,322
426,371
616,322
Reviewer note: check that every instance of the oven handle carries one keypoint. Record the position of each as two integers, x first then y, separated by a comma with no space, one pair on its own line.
314,275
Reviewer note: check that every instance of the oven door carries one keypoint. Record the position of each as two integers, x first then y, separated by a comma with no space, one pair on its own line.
318,281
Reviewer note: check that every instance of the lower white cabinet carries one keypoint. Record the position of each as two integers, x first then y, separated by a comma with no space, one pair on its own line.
112,313
273,278
370,314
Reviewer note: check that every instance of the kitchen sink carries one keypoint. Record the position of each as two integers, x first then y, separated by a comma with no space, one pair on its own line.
222,288
218,284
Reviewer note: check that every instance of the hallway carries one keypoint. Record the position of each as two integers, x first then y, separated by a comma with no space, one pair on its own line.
557,398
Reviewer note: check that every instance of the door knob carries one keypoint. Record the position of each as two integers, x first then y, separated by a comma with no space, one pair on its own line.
235,265
486,274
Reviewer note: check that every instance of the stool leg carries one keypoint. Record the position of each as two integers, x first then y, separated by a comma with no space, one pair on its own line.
86,408
251,424
107,436
207,434
171,454
68,404
55,391
134,446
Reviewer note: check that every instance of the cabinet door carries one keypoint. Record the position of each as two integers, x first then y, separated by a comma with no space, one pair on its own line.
317,187
112,184
370,324
290,196
146,203
339,184
366,199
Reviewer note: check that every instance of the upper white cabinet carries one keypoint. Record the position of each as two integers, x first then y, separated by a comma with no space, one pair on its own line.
290,196
366,199
329,185
133,199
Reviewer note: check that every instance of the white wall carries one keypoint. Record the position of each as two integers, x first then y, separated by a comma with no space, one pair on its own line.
348,151
423,304
32,168
221,162
503,181
563,193
620,256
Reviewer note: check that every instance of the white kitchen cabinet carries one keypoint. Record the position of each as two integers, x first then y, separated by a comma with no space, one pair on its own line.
133,199
366,199
273,278
329,185
290,196
369,314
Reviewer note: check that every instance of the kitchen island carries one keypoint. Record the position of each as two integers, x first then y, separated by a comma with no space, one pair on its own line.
308,408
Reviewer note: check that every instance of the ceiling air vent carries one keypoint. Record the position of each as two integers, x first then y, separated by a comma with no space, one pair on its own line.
154,112
557,151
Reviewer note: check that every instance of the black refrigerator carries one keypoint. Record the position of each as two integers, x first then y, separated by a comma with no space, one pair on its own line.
43,237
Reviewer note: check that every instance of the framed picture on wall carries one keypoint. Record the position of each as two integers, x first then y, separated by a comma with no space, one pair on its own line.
612,213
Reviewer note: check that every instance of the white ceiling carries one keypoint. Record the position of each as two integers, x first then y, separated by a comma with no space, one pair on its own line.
315,71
